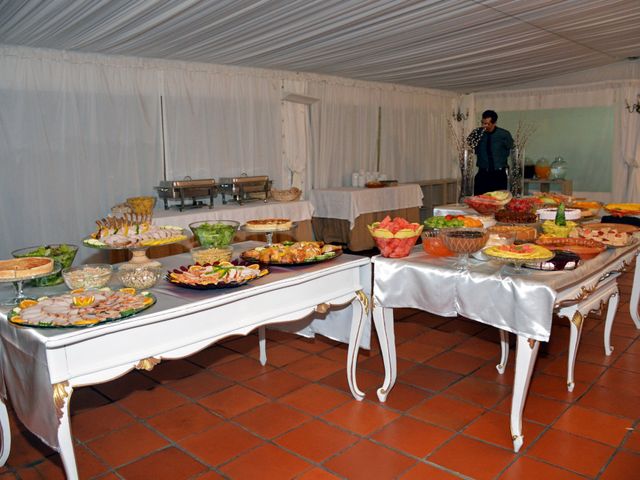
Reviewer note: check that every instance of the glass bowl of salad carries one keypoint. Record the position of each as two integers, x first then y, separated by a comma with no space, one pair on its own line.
214,233
62,253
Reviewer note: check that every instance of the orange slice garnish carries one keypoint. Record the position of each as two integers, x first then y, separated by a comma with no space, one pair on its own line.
27,303
77,290
131,291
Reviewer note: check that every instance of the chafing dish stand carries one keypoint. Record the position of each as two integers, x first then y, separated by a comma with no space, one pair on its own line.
240,188
187,188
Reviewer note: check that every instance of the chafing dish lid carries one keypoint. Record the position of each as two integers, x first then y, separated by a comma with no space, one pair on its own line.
187,182
241,179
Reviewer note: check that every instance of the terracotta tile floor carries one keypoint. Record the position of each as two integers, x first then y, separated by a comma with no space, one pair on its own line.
219,414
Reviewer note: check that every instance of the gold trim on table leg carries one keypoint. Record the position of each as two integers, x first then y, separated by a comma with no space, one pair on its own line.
577,319
147,363
60,394
322,307
364,299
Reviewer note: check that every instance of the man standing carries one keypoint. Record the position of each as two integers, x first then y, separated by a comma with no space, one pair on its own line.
492,153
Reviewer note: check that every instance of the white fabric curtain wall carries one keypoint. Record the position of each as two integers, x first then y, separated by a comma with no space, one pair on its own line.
414,144
76,137
344,131
221,124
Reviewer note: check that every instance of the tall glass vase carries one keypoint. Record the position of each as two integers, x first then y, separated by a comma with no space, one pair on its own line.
466,175
516,170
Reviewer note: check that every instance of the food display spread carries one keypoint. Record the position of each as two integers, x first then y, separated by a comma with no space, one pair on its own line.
292,253
220,275
268,225
80,308
18,268
132,231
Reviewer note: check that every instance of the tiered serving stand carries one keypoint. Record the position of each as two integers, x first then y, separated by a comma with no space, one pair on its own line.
18,284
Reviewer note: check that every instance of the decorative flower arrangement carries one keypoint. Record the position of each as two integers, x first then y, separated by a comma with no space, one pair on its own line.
523,132
465,145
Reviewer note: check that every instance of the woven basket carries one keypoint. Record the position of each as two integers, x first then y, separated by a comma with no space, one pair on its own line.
286,195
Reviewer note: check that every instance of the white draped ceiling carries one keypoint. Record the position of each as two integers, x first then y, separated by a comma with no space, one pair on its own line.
461,45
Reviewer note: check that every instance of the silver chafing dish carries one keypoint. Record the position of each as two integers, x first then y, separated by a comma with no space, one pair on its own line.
187,188
244,188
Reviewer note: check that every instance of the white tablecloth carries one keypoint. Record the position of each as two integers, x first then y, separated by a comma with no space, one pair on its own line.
296,211
25,352
349,203
518,303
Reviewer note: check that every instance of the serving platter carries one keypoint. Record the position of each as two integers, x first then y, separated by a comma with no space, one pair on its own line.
214,276
292,253
93,307
318,259
621,209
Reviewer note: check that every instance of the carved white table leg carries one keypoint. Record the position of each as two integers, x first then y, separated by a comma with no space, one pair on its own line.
526,352
62,397
608,324
635,295
383,319
576,323
358,321
262,344
6,433
504,351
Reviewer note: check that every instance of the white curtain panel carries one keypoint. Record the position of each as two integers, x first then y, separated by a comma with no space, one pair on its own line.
76,137
344,127
295,144
414,144
221,123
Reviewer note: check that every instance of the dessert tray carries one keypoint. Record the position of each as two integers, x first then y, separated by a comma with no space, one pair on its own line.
215,275
292,253
611,235
80,308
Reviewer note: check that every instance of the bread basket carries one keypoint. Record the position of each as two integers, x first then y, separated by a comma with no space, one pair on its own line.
289,195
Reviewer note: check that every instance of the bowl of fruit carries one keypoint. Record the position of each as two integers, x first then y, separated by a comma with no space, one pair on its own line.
490,202
395,238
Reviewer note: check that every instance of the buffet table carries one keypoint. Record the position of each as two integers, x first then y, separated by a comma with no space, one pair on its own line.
520,303
342,214
41,367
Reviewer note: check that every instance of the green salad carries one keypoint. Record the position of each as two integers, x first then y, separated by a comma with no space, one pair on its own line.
62,254
216,235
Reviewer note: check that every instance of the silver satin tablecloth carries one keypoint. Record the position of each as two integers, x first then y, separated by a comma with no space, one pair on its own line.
488,292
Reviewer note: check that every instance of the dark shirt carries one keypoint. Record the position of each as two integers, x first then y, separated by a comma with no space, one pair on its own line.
493,150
